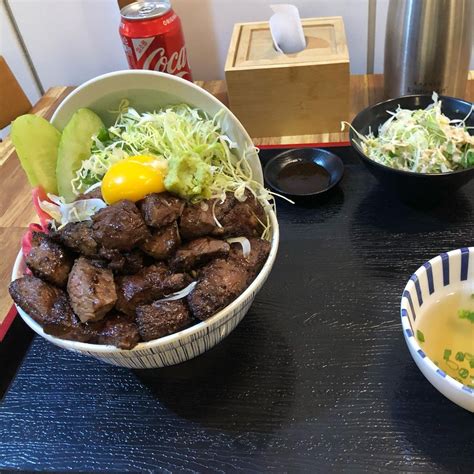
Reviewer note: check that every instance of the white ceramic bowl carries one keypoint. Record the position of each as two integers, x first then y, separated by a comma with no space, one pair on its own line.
447,273
147,90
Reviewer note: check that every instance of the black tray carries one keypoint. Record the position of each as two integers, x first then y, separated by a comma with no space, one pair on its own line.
316,378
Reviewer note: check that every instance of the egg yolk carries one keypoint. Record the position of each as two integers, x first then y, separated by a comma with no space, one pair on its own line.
133,178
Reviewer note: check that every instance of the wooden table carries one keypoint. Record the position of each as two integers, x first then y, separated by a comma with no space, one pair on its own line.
16,211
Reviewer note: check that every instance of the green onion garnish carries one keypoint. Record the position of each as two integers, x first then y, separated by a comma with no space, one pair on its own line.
420,336
460,356
463,373
466,314
447,354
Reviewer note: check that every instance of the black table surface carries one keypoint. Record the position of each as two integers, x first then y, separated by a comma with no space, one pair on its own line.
316,378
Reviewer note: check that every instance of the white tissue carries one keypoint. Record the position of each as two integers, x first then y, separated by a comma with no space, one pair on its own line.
285,27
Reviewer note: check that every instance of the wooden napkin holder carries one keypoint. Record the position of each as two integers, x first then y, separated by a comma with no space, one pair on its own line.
276,94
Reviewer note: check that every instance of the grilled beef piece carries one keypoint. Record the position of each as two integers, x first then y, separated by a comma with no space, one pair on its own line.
94,194
141,288
117,330
49,260
198,220
148,285
198,252
220,282
49,307
253,262
124,263
78,237
175,282
91,290
162,318
244,219
119,226
163,242
160,210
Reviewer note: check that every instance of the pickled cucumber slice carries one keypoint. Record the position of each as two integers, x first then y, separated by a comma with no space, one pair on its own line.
36,142
74,148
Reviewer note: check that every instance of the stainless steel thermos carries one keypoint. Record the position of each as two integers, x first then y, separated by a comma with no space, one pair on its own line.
428,46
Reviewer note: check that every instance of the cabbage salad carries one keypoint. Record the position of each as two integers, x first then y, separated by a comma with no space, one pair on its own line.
422,141
200,157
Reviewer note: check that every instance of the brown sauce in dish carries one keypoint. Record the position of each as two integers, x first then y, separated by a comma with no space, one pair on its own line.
302,178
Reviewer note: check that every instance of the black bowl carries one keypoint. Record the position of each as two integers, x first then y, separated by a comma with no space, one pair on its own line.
330,163
412,187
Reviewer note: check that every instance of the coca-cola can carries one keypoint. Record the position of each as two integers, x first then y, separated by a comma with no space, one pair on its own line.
153,38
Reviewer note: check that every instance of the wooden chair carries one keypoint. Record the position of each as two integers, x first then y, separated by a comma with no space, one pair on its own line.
13,101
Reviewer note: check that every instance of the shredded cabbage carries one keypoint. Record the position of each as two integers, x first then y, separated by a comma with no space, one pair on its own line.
423,141
175,132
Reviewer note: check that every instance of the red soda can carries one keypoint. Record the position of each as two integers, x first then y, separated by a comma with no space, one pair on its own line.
153,38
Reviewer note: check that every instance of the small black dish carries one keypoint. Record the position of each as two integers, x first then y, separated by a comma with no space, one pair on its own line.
303,173
411,187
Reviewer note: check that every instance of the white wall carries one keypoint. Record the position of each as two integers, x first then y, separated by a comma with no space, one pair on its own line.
380,23
208,27
10,49
71,41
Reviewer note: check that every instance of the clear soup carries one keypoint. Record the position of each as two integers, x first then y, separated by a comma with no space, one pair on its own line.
445,331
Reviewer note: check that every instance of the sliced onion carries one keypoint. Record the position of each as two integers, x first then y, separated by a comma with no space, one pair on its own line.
75,211
246,247
52,209
179,294
94,186
218,224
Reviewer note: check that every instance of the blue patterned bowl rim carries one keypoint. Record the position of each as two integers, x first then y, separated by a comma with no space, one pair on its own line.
414,289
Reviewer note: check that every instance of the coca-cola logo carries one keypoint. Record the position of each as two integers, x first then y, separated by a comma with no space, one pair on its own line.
172,64
170,20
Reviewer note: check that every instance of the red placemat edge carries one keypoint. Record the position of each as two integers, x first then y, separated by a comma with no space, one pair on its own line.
5,325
